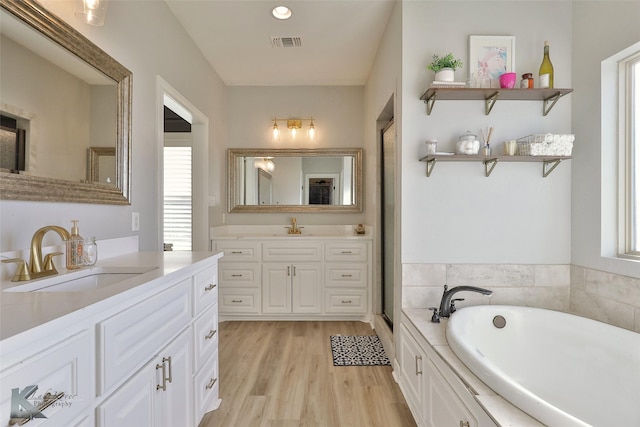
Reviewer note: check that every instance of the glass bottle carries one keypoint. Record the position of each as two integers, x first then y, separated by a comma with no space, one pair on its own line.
74,248
90,251
545,74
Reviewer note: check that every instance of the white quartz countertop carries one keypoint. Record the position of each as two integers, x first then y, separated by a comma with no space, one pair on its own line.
22,311
502,412
279,232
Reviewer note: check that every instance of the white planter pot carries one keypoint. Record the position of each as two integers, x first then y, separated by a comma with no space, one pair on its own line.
445,75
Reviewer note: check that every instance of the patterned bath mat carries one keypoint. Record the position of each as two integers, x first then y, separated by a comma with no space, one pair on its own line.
364,350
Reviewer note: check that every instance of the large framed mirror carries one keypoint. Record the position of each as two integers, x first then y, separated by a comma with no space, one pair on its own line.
294,180
64,96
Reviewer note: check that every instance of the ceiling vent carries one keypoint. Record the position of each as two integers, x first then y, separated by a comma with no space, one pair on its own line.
286,41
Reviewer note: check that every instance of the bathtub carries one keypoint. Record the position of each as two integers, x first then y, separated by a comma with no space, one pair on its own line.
561,369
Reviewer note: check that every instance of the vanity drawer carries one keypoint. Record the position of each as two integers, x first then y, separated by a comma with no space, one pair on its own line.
129,339
292,251
345,275
352,301
240,275
205,289
65,368
207,387
205,336
236,251
346,251
245,300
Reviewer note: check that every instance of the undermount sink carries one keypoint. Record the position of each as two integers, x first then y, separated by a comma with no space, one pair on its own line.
82,280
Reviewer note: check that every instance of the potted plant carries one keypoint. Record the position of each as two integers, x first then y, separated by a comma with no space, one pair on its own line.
444,67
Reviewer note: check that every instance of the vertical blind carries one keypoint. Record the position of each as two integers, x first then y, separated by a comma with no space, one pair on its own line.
177,198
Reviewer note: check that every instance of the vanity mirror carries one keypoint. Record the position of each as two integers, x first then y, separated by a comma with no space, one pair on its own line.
71,98
294,180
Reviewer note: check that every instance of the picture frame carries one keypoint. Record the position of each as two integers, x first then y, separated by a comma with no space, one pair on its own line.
489,57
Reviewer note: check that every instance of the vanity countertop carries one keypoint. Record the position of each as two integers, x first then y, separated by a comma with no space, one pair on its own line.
503,412
22,311
279,232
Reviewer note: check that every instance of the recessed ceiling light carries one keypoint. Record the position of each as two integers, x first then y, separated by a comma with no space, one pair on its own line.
281,12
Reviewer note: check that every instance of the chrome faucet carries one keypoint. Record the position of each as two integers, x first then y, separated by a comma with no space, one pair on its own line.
294,229
37,266
447,304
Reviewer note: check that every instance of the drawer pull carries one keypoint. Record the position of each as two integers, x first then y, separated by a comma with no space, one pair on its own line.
210,287
236,300
346,252
162,387
464,424
347,275
347,301
210,334
211,383
236,252
47,400
236,275
418,370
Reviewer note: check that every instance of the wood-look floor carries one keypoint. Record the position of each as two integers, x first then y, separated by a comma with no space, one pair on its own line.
281,374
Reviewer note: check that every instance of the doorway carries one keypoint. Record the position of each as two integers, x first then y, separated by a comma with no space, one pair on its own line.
387,196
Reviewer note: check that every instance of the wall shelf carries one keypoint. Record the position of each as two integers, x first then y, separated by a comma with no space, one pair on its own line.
549,163
549,97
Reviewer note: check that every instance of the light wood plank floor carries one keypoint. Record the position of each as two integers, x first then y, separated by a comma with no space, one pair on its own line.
281,374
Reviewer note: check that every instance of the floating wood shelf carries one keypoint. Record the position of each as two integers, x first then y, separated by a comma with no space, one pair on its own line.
549,163
549,97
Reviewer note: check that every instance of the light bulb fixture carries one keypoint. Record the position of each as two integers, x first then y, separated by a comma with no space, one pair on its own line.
92,12
281,12
294,126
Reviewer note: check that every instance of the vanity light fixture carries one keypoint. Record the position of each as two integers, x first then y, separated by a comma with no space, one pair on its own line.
92,12
281,12
294,126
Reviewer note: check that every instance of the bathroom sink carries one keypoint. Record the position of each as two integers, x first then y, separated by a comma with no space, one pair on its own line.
82,280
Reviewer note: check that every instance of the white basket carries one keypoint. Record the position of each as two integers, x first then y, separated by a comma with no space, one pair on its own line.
546,144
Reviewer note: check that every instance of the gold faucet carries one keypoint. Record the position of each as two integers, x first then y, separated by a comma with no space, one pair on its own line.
37,266
294,229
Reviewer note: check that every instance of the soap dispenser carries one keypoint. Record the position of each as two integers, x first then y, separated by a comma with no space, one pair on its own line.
74,248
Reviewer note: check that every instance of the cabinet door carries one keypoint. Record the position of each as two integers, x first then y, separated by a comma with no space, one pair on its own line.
445,407
412,366
276,288
307,289
176,403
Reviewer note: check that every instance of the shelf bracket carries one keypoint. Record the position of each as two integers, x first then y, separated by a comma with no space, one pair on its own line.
490,102
546,170
430,165
430,101
549,103
487,169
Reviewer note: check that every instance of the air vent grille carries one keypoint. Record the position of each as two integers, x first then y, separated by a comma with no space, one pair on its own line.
286,41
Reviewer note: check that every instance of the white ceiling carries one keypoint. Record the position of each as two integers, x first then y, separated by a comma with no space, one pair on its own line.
339,39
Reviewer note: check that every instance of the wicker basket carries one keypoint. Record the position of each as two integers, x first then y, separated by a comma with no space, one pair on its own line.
546,144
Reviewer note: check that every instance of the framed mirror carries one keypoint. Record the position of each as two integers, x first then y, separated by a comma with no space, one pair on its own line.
294,180
65,96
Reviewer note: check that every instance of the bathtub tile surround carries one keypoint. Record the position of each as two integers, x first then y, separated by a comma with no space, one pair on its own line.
544,286
607,297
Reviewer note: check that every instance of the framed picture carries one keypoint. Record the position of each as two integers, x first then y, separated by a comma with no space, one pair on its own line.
491,56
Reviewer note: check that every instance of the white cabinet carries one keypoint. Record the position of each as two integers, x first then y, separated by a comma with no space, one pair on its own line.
435,394
292,288
158,395
63,370
295,277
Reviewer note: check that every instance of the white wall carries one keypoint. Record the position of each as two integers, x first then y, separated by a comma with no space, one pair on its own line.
458,215
337,112
600,30
146,38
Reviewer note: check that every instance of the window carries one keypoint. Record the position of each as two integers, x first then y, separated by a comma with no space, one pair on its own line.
629,125
177,197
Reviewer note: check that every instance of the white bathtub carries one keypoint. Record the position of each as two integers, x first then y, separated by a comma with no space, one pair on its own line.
561,369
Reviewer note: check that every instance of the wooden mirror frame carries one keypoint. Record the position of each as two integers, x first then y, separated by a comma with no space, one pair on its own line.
26,187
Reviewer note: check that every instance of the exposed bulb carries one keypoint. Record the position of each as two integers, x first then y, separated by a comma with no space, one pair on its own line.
312,131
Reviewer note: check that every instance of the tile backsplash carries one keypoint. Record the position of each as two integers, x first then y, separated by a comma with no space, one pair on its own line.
606,297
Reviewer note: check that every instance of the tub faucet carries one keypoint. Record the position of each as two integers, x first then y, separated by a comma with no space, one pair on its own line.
447,304
37,266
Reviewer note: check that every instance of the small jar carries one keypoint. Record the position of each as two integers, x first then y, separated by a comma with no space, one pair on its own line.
90,251
527,81
431,146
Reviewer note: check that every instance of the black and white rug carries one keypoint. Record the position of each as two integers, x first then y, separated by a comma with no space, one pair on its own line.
364,350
